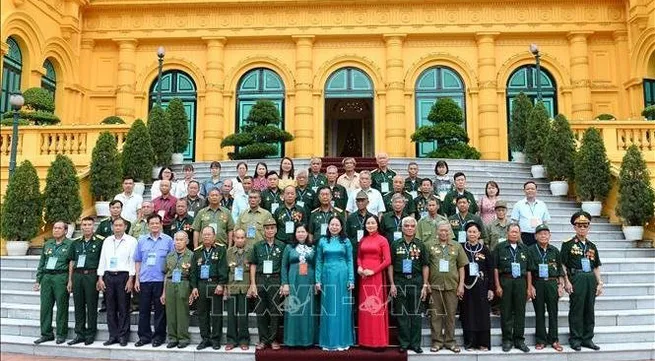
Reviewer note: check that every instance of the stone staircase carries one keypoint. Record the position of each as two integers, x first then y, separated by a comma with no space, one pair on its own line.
625,314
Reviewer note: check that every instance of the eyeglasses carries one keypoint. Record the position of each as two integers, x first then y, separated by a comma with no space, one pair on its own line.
582,225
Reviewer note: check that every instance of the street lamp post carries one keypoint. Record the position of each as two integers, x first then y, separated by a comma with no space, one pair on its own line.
16,101
534,49
161,52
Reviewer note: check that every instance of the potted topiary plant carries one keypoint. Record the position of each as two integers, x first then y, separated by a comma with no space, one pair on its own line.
137,156
636,196
521,109
161,138
62,193
22,209
538,127
180,125
559,152
649,112
592,172
105,173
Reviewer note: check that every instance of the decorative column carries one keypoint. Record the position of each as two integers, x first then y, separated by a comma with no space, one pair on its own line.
489,123
622,72
86,60
126,78
213,134
303,111
396,133
581,107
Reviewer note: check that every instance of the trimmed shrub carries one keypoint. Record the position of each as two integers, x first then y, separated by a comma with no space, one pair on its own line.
521,109
636,196
559,150
137,156
179,124
605,116
161,136
592,168
39,99
9,122
113,119
537,131
22,209
62,192
105,168
649,112
446,131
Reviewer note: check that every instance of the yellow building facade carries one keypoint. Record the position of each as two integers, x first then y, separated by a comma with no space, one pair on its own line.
341,72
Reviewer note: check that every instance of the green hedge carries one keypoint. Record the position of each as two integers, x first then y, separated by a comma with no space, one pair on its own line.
23,205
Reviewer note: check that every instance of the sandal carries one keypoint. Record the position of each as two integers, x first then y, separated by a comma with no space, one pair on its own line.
557,347
229,347
435,349
454,349
539,346
245,347
275,346
260,346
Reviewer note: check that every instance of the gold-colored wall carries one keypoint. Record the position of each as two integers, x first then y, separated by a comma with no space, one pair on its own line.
104,53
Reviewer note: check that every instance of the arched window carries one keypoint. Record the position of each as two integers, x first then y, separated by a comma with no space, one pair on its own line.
349,83
178,84
434,83
11,73
49,80
259,84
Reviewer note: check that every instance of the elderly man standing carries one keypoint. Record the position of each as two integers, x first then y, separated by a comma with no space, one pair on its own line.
164,205
183,221
375,201
339,193
427,226
215,216
195,202
383,175
530,212
349,179
252,220
497,229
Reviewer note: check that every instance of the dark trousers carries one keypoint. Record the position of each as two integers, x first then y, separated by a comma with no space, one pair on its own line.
85,297
512,309
528,238
237,319
581,308
210,313
477,339
547,298
53,290
268,313
149,294
407,310
118,315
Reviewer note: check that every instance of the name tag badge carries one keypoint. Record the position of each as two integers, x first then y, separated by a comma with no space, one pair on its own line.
81,261
360,235
300,204
302,269
461,236
444,265
474,268
534,222
152,258
274,207
214,226
384,187
543,270
268,267
407,266
161,213
177,276
251,232
238,273
324,229
288,227
332,203
414,194
52,262
424,214
204,271
113,262
442,195
586,265
192,213
516,270
315,188
397,235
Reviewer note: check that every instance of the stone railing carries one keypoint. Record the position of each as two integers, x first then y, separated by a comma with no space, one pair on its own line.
618,135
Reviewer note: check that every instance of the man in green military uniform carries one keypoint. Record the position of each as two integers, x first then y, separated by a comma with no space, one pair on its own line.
305,196
289,215
84,275
183,221
265,265
581,264
355,221
458,220
426,230
421,201
177,290
413,182
320,217
450,201
215,216
382,177
53,282
399,188
106,226
390,221
252,220
237,292
316,178
339,192
409,268
208,277
140,226
546,288
272,197
497,229
510,273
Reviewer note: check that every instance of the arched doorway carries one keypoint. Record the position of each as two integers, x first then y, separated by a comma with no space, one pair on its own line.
434,83
12,68
49,80
178,84
349,114
649,83
259,84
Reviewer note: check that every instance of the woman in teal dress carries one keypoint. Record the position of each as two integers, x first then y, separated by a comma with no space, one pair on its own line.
335,280
298,287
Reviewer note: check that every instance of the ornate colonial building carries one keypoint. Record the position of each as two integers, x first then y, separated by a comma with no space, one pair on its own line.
339,71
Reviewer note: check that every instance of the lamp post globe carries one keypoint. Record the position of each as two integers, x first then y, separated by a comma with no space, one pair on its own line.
16,101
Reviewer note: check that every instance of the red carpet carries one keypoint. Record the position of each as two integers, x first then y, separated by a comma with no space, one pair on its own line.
354,354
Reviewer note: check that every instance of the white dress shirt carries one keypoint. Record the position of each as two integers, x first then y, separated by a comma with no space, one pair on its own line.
123,250
239,205
375,201
130,204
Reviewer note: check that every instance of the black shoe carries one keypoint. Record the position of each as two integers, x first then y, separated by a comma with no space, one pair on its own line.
591,345
203,345
507,347
141,343
418,350
43,339
75,341
123,342
88,342
182,345
576,347
216,346
523,347
110,342
172,344
156,343
60,341
103,309
402,350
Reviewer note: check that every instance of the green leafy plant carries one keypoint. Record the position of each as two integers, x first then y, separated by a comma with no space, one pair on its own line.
62,192
38,109
649,112
521,109
22,209
447,131
9,122
636,196
592,168
161,136
105,168
559,150
137,156
605,116
39,99
537,131
113,119
259,135
180,124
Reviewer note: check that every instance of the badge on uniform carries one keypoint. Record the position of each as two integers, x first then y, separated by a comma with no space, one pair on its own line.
192,213
302,269
315,188
177,276
204,271
360,234
300,204
397,235
543,270
407,266
274,207
81,261
288,227
384,187
474,268
152,259
424,214
414,194
516,270
444,265
268,267
251,232
324,229
461,236
586,265
113,262
238,273
52,262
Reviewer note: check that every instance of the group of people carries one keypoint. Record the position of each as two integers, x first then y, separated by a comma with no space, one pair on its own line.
336,259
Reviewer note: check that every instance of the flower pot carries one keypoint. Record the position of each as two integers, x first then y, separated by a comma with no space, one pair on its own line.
17,248
177,158
538,171
518,157
155,172
139,188
559,188
102,209
592,207
633,233
70,230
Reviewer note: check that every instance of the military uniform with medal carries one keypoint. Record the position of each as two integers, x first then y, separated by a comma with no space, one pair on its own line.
382,180
410,206
271,200
220,219
106,227
183,224
457,223
237,288
339,196
177,291
390,226
306,198
287,219
319,219
86,255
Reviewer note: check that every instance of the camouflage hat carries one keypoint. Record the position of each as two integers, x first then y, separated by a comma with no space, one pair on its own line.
542,227
500,204
361,195
580,217
270,222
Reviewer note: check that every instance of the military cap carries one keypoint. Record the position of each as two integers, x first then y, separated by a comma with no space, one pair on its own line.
270,222
580,217
361,195
542,227
501,204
